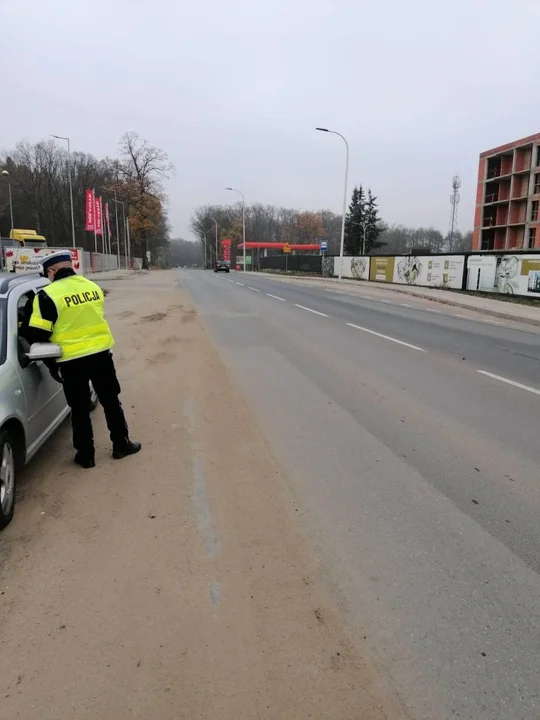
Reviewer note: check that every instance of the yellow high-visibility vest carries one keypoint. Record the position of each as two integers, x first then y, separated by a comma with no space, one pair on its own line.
81,328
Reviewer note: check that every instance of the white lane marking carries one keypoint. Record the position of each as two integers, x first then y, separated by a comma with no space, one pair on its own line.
386,337
276,297
230,280
493,322
509,382
366,297
254,289
237,283
388,302
405,305
466,317
315,312
435,311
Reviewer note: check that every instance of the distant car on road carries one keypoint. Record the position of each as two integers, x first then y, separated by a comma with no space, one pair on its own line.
222,266
32,404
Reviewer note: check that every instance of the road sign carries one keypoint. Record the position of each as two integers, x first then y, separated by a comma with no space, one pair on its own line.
287,248
324,246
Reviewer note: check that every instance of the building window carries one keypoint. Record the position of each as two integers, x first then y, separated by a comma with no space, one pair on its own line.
487,241
538,156
532,237
536,190
534,211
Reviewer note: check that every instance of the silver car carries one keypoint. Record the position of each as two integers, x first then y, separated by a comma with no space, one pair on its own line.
32,404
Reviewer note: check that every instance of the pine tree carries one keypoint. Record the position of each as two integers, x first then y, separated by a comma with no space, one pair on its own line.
354,222
374,225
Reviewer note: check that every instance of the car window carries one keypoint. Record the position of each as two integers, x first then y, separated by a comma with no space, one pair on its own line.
24,311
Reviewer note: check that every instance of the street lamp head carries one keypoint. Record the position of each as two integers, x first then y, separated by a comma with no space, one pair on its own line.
5,173
228,188
322,129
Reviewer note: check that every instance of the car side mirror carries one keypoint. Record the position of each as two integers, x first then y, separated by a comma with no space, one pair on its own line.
44,351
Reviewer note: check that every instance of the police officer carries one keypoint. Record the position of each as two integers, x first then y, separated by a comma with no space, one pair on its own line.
70,313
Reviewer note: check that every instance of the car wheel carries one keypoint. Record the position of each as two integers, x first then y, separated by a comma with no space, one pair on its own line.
215,270
94,402
7,478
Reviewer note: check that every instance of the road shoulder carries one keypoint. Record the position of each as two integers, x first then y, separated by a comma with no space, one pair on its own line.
177,584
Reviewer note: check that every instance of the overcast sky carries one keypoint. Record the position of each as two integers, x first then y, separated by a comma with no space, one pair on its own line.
233,91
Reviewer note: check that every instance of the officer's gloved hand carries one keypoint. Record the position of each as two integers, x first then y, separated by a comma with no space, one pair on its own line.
55,373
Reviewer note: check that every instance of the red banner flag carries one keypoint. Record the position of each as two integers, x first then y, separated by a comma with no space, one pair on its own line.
108,219
99,219
90,215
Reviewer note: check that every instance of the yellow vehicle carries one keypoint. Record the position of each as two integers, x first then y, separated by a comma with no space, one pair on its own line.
27,238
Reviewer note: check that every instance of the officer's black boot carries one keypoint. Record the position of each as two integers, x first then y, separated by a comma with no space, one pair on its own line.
85,461
127,448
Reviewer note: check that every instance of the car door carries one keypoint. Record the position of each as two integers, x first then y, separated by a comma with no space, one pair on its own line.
44,397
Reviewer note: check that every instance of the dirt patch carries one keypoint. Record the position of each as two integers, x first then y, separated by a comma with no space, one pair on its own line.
162,357
155,317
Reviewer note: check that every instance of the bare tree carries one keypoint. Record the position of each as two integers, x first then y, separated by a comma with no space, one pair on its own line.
143,168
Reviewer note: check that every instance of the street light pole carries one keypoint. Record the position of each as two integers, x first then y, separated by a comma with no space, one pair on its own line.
243,221
116,201
126,240
204,236
364,239
5,173
217,242
59,137
342,243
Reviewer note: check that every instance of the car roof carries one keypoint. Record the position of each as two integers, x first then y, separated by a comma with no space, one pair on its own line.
8,281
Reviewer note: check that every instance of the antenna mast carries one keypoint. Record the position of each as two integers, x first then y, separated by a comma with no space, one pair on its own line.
454,201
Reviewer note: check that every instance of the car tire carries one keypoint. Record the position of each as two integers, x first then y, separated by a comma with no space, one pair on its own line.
215,271
8,473
227,271
94,402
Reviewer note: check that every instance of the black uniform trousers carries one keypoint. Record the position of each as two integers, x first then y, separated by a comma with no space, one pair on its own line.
100,371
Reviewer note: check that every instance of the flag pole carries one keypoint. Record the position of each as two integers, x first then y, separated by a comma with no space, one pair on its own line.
95,219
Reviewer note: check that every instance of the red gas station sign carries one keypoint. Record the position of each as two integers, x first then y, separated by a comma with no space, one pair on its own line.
226,249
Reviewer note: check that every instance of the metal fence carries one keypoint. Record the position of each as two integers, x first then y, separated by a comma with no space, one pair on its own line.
98,262
294,263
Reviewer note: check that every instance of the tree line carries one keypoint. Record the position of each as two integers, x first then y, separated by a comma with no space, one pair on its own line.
264,223
39,177
364,228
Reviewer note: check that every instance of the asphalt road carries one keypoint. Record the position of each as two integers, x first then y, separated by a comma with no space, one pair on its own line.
410,438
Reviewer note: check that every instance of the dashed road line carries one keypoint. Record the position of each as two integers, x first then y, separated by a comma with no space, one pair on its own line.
254,289
386,337
237,283
275,297
315,312
509,382
229,280
439,312
406,305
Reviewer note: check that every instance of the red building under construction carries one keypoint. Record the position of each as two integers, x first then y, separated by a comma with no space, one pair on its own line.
507,213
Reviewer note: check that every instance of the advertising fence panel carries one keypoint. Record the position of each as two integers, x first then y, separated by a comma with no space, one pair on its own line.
507,274
26,259
442,271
